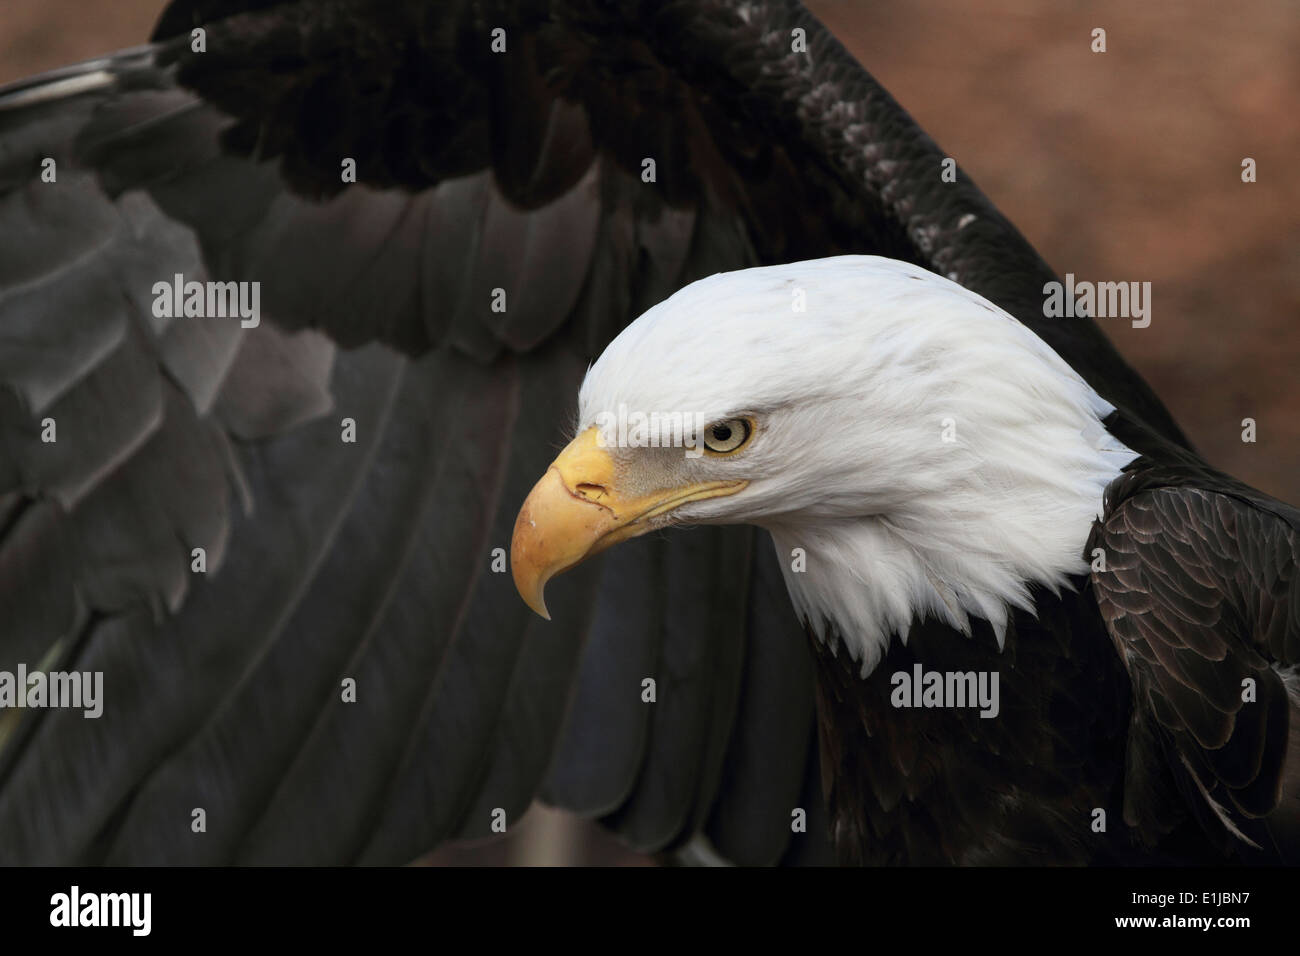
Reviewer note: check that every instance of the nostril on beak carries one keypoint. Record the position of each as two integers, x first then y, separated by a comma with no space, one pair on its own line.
592,492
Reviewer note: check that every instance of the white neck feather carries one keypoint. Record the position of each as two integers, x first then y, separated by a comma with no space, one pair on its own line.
1004,507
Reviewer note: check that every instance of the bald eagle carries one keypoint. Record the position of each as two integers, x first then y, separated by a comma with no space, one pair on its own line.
948,497
294,300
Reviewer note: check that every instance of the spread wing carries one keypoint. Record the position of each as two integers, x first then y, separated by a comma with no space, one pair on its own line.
1201,597
200,529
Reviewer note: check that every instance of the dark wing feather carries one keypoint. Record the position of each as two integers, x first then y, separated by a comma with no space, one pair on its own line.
805,149
1200,595
369,560
752,817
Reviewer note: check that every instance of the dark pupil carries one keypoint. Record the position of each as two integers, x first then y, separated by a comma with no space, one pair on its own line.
721,432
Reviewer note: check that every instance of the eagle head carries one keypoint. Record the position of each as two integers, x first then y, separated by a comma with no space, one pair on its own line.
912,449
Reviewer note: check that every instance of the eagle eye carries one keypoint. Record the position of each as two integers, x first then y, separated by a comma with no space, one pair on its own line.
725,437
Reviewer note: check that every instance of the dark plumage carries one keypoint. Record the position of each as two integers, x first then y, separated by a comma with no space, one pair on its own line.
326,560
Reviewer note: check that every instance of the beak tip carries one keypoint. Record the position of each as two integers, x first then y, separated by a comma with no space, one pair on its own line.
538,604
530,584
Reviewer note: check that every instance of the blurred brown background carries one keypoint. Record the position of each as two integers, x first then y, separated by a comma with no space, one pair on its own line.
1122,166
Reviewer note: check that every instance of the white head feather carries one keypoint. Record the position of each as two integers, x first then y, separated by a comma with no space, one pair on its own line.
929,454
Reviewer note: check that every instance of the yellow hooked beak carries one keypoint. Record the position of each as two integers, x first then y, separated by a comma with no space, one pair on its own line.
576,510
